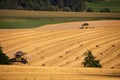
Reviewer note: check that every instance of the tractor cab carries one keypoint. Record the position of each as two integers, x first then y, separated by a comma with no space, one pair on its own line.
84,26
19,57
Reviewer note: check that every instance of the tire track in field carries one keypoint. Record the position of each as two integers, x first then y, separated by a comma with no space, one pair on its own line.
43,38
36,43
50,47
60,46
79,58
72,53
25,38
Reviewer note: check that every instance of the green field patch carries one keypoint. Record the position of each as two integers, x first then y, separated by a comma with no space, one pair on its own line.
113,5
21,19
24,23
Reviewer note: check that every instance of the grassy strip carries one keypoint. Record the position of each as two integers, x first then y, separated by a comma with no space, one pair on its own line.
51,15
18,19
25,23
22,23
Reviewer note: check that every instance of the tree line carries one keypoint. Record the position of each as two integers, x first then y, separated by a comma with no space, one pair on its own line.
44,5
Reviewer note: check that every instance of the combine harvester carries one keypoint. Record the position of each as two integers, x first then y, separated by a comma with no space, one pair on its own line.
19,57
85,26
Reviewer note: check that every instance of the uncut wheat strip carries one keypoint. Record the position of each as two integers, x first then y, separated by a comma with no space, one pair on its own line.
61,71
51,73
25,13
56,69
61,77
55,76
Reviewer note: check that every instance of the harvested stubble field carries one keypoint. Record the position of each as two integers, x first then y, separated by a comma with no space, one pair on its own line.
56,73
45,15
55,52
19,19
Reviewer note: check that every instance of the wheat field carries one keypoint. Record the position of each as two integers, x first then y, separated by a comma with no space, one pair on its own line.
56,73
55,52
56,15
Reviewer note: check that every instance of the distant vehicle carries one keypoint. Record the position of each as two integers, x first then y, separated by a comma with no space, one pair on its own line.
19,57
85,26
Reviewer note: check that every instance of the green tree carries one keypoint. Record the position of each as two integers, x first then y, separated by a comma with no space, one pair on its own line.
105,10
89,10
90,61
66,9
91,0
3,58
74,5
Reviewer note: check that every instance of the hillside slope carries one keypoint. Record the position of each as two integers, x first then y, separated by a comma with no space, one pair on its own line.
63,45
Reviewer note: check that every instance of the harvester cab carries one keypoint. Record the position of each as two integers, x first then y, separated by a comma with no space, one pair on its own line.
19,57
84,26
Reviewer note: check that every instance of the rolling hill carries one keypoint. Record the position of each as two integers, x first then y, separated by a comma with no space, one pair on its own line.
19,19
63,45
55,52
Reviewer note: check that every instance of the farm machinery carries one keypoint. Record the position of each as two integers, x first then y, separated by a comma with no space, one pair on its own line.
19,57
85,26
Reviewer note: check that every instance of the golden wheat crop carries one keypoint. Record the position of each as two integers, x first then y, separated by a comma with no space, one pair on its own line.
65,47
55,52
